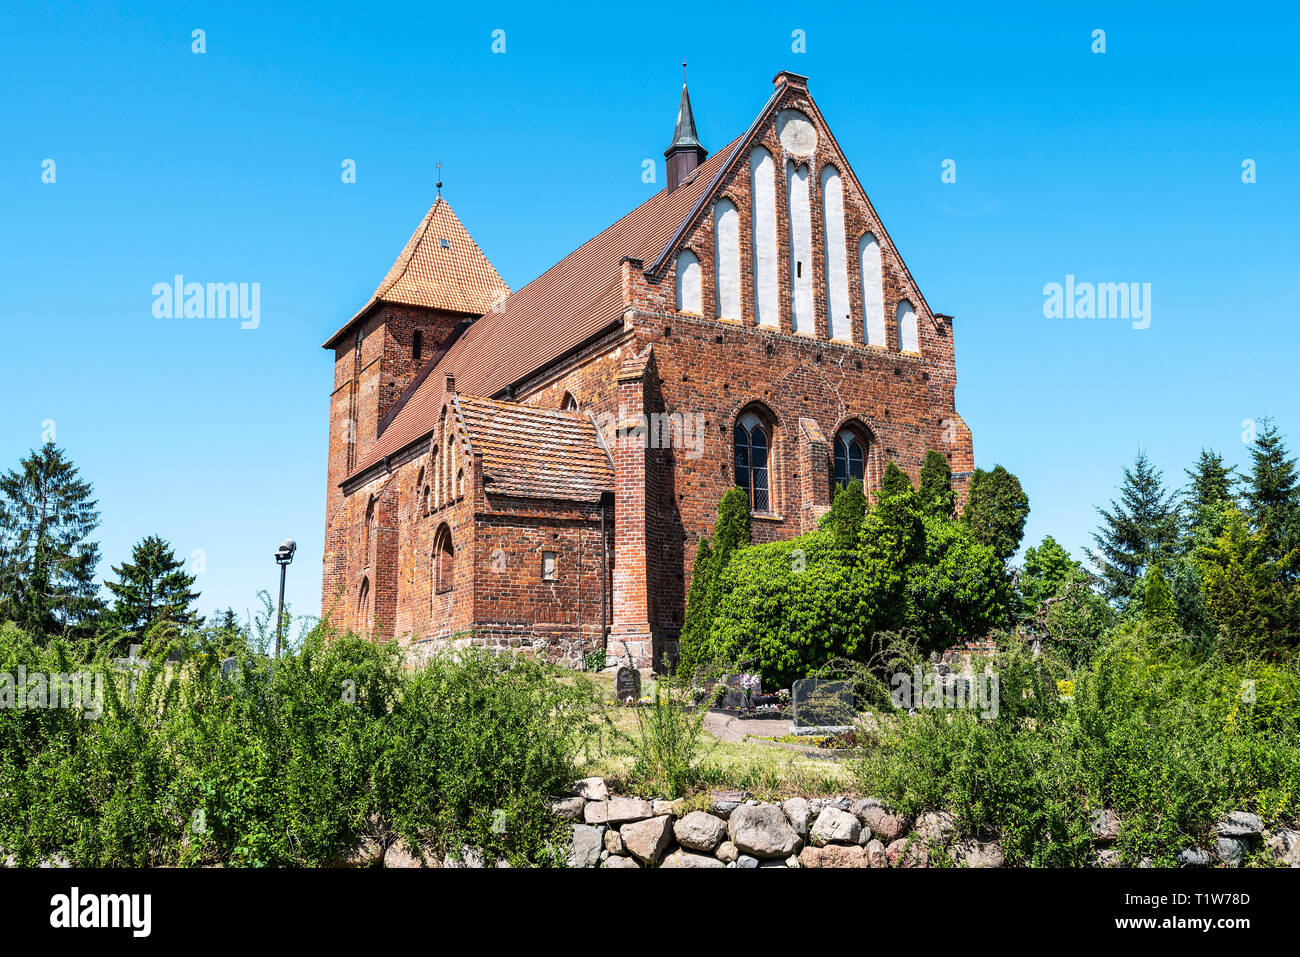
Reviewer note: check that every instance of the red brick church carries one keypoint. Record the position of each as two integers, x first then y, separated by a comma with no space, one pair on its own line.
535,469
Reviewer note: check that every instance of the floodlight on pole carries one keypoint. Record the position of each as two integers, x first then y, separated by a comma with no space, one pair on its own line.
283,556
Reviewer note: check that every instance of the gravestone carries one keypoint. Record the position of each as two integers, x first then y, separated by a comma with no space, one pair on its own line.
735,697
627,684
822,705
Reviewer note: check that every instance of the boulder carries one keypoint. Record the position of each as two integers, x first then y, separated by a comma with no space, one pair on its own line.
700,831
876,856
401,855
568,808
747,861
1285,846
905,852
1231,850
835,826
591,789
1105,826
665,807
727,852
762,831
976,854
614,842
587,844
859,808
471,858
1239,824
888,827
724,802
681,858
1107,857
619,810
798,814
620,862
833,856
936,827
648,839
1194,857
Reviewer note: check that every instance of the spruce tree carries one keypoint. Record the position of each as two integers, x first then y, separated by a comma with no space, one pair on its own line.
893,482
1272,493
844,519
1157,599
733,530
1137,530
1206,498
935,486
691,644
47,562
152,587
996,511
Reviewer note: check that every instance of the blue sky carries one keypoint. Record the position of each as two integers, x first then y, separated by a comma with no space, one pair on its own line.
225,167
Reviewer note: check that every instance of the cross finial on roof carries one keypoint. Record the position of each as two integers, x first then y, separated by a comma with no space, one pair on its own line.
439,183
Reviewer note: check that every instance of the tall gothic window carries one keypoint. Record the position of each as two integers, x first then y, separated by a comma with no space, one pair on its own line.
368,530
850,458
444,561
753,448
437,479
363,605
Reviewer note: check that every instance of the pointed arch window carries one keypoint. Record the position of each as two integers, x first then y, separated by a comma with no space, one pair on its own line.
908,340
873,291
752,454
363,605
726,258
569,404
444,561
690,295
850,457
436,496
368,530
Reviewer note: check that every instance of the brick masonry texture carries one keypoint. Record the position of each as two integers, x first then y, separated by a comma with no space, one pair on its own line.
630,594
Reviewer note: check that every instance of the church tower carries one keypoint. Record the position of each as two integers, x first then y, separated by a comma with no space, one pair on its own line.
439,284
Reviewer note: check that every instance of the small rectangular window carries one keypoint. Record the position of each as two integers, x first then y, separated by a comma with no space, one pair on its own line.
417,345
548,567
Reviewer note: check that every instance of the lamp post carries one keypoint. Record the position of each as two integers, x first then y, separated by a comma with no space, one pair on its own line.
283,556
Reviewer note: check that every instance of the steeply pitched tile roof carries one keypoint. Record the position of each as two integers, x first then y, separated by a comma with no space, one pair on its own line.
536,453
559,310
566,305
441,267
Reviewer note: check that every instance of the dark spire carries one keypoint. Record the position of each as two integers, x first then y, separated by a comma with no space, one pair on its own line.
685,152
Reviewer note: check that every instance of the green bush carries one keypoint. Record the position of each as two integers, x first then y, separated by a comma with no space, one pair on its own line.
288,762
1168,741
790,605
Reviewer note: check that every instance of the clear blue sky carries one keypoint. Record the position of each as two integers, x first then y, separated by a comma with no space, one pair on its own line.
1115,167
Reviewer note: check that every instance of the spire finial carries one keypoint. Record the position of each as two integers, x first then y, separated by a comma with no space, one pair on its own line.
683,73
439,183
